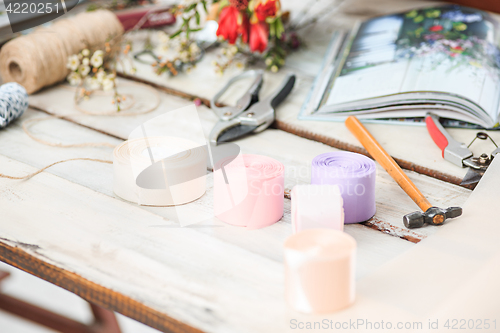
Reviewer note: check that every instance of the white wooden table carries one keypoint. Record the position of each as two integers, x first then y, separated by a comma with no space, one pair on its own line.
67,226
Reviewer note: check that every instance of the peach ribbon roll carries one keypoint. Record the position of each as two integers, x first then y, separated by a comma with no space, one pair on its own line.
249,191
319,270
159,171
317,206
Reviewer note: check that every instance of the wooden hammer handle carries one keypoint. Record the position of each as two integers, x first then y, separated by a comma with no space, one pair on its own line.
386,161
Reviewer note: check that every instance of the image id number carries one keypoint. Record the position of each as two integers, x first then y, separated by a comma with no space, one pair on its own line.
471,324
32,8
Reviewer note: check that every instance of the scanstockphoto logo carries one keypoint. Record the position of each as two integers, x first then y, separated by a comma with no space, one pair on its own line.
24,14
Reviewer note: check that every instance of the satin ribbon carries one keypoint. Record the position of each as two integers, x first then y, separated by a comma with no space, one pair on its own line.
249,191
355,175
317,206
319,270
159,171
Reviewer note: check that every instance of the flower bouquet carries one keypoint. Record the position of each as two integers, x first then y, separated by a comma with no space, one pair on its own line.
248,31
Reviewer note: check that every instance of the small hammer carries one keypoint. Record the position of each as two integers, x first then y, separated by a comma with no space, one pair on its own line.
431,215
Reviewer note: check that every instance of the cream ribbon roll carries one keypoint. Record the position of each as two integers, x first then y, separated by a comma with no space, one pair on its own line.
249,191
160,171
319,270
317,206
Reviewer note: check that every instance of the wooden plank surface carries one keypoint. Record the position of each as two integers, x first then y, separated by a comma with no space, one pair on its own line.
193,275
106,253
209,276
392,202
410,145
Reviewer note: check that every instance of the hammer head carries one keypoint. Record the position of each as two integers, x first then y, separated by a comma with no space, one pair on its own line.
433,215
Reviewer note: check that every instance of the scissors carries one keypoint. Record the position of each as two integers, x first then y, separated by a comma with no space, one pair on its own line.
458,153
249,115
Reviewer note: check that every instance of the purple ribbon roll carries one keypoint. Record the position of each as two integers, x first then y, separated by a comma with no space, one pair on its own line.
355,176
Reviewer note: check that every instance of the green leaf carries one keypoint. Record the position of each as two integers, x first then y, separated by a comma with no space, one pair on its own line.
270,20
272,29
204,3
197,16
279,28
177,33
190,8
194,30
412,14
418,19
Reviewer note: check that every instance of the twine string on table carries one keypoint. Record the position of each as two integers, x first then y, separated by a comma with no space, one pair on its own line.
48,166
25,126
124,111
26,130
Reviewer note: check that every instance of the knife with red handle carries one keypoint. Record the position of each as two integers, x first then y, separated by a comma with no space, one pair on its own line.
156,17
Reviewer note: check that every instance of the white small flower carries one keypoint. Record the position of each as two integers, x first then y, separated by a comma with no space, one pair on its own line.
193,48
93,83
269,61
184,56
96,59
83,70
274,68
73,62
100,76
74,79
163,38
86,52
86,61
108,84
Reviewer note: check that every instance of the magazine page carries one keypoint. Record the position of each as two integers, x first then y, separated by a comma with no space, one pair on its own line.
450,49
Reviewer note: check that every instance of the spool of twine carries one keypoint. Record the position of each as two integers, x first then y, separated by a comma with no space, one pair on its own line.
39,59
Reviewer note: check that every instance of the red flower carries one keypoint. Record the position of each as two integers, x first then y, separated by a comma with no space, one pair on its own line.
266,8
243,28
435,28
258,37
228,24
239,4
457,48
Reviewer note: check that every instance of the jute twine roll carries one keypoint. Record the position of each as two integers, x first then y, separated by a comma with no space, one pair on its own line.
39,59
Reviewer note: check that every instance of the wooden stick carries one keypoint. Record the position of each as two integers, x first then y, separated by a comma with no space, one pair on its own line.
386,161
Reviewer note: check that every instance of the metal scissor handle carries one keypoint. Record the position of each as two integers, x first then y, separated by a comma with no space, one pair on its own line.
250,96
262,114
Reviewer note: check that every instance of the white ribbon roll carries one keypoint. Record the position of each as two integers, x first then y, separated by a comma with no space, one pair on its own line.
319,270
317,206
159,171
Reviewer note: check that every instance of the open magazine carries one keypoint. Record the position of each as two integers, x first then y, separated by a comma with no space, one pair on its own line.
442,59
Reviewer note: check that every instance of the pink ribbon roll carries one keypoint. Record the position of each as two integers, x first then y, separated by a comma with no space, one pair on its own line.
317,206
319,270
249,191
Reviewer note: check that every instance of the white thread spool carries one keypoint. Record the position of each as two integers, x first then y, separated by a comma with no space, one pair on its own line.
181,174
